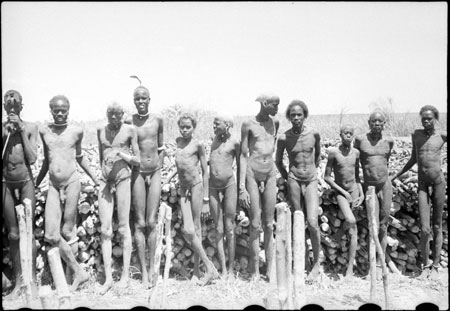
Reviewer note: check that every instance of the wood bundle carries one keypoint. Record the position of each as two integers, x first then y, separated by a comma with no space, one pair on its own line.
403,230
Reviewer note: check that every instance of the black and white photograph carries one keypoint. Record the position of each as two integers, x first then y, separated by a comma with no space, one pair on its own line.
224,155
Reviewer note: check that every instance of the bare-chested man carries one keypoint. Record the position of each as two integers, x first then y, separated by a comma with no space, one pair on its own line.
62,151
303,148
426,152
375,150
118,149
257,178
343,161
146,179
18,153
194,191
225,148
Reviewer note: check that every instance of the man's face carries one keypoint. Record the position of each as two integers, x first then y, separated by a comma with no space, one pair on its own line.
186,128
428,120
60,111
347,135
114,116
272,107
220,127
141,101
296,116
13,105
376,123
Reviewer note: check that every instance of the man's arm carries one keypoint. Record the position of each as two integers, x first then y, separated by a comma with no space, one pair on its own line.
412,160
281,146
161,148
100,146
317,149
329,180
135,158
204,166
44,167
358,181
84,164
29,133
243,194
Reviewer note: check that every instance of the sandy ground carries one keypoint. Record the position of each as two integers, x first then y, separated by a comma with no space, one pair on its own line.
330,293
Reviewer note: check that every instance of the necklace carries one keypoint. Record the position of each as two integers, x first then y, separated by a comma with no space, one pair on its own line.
59,125
296,133
141,116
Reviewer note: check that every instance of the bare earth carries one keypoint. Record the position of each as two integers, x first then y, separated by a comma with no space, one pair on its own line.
330,293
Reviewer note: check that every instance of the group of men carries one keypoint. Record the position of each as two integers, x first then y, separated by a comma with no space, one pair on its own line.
131,155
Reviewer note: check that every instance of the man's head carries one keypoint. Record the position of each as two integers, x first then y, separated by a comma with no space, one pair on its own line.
12,102
141,97
269,103
297,112
377,121
222,124
429,115
347,133
187,124
59,108
114,113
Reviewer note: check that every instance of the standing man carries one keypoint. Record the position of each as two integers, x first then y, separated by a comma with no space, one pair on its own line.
62,150
426,152
114,143
257,186
303,148
19,152
146,179
375,150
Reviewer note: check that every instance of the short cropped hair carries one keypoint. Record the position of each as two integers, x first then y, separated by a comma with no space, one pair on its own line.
16,94
189,116
299,103
432,109
227,118
58,97
347,125
141,87
114,106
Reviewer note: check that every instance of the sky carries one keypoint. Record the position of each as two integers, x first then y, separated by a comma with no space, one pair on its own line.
219,56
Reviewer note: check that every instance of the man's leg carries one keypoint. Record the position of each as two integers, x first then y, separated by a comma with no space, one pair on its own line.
255,223
350,224
105,212
385,207
268,211
69,234
438,199
138,188
9,216
312,213
191,236
216,213
153,196
196,207
123,197
229,204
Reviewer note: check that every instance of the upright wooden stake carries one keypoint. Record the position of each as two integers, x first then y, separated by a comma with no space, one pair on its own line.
23,251
372,217
56,268
289,257
159,236
29,223
299,257
168,252
280,244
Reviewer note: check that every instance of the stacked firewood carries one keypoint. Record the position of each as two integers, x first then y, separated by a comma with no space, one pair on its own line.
403,230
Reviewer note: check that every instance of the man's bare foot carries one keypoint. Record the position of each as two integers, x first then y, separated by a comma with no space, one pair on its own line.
78,279
123,283
145,280
106,287
230,276
197,272
195,280
209,277
349,276
424,273
314,274
434,273
15,293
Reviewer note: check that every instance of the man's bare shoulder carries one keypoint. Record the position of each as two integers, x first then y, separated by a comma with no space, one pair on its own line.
128,119
31,126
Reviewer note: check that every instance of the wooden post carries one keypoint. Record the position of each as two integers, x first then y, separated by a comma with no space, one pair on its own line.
280,244
370,197
372,217
159,236
56,268
23,251
168,252
29,224
299,257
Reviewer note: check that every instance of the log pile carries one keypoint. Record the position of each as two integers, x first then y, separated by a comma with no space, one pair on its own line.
403,230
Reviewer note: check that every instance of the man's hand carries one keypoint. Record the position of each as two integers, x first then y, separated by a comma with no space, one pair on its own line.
348,197
360,200
14,123
205,210
244,198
